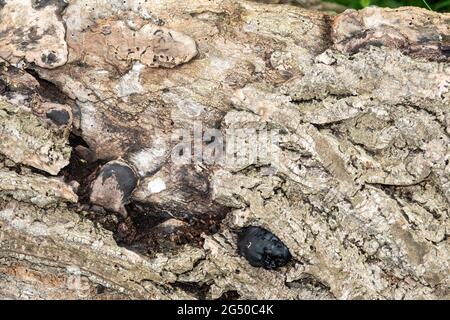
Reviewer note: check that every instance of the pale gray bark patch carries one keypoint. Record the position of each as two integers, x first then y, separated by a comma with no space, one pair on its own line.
358,193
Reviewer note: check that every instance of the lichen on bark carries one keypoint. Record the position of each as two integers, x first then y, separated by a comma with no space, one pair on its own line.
25,139
359,190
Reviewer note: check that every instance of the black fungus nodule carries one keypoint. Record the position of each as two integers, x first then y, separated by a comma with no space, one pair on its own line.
124,175
59,117
113,187
262,248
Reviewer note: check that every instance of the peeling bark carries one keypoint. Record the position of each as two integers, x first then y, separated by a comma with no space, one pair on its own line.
24,139
358,189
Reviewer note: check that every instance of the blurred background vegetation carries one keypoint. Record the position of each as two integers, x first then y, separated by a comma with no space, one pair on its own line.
435,5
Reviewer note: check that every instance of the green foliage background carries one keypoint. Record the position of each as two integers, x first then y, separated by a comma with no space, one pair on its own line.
435,5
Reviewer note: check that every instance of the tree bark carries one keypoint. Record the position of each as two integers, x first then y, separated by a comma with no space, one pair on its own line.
357,186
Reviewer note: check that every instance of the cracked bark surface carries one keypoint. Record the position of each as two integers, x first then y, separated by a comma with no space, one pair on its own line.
359,191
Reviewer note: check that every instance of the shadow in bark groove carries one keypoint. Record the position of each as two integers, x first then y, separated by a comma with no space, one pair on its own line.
142,230
198,290
49,90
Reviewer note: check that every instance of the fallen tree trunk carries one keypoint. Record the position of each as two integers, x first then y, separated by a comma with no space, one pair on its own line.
356,184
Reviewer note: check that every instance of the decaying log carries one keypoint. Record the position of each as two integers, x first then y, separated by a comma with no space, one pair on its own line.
357,186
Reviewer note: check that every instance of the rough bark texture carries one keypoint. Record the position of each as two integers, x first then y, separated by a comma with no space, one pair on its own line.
359,190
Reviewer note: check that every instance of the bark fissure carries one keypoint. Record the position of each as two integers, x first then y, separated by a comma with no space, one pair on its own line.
93,204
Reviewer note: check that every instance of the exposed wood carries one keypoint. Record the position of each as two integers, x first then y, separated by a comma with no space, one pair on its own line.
358,187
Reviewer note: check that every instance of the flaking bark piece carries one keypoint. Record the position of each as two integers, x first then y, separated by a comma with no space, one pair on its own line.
32,31
154,46
416,32
26,139
36,189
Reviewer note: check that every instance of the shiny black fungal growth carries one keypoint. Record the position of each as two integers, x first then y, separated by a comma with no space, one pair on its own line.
59,117
124,175
262,248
